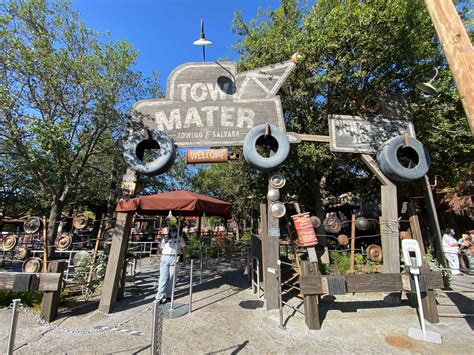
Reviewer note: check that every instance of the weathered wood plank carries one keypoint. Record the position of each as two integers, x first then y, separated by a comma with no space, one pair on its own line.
123,226
374,283
311,285
433,280
47,282
50,302
311,308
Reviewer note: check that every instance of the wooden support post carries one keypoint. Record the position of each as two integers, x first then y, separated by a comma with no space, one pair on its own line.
45,246
353,230
96,248
118,248
428,299
458,50
434,222
311,309
270,259
389,224
50,302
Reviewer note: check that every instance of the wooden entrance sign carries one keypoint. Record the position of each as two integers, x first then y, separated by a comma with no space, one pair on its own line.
211,105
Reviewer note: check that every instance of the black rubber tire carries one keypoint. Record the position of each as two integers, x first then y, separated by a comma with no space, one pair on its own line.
253,157
162,148
390,164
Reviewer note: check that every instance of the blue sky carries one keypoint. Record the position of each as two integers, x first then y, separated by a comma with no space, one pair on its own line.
163,30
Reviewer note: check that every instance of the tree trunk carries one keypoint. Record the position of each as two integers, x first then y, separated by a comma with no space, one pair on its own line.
111,198
54,216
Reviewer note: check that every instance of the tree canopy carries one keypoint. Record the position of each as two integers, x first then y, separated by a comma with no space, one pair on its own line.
64,99
355,52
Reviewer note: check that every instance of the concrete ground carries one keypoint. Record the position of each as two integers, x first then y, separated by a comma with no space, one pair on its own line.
228,318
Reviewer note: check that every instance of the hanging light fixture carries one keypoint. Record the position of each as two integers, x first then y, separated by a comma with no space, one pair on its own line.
428,87
170,215
202,41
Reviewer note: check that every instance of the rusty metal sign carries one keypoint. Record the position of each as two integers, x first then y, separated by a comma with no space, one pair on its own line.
207,156
354,134
211,105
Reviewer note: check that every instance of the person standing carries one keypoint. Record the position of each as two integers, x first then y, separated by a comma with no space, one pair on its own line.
451,251
172,248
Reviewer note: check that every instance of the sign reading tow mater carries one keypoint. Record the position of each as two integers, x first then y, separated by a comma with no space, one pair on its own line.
211,105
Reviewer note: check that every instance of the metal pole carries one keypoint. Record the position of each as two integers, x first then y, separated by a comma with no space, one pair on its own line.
280,300
258,278
191,287
175,265
420,306
154,328
11,336
200,260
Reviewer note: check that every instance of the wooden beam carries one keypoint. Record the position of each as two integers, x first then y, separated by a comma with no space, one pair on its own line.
311,309
458,50
50,302
353,232
428,299
389,220
374,167
312,284
123,226
313,138
374,283
46,282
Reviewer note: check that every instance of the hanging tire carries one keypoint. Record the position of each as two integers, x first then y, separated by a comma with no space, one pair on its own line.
388,158
161,146
32,225
253,157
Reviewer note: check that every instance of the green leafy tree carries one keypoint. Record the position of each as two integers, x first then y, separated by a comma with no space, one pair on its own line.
355,52
64,95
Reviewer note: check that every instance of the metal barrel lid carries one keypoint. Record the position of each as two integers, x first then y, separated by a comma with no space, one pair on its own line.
374,252
32,265
9,242
22,253
343,239
80,221
32,224
332,224
63,242
362,223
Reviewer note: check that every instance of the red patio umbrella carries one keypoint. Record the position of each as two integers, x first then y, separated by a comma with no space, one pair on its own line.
187,203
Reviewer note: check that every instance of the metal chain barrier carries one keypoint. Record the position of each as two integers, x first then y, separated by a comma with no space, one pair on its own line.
113,328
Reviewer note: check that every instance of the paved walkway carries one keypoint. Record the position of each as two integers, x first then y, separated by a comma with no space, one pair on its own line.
228,319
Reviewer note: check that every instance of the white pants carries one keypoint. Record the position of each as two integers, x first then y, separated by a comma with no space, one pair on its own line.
453,260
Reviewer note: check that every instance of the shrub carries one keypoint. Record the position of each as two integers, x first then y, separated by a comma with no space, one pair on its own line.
342,260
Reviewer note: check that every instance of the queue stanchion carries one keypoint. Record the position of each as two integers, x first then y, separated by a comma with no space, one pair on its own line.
13,323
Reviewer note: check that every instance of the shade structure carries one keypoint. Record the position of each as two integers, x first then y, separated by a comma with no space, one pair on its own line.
184,203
